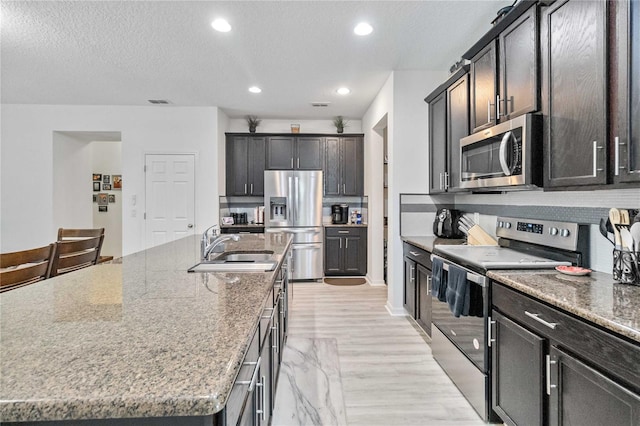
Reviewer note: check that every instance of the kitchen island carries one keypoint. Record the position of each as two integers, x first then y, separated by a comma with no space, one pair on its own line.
135,338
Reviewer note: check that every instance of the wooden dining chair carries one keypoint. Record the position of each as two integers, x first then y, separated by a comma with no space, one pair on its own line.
25,267
72,254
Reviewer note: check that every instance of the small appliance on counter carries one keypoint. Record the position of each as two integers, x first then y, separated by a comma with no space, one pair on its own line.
340,214
445,224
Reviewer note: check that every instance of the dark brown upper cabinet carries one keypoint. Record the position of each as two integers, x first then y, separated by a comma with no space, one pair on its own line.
448,123
574,92
295,153
344,166
505,72
245,161
625,129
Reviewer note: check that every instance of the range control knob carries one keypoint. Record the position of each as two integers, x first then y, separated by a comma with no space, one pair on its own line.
564,233
500,224
553,231
507,225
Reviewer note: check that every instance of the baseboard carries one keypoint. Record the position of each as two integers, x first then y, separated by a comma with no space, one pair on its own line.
396,312
376,283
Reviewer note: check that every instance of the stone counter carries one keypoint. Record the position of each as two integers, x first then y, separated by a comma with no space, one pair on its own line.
595,298
140,337
427,243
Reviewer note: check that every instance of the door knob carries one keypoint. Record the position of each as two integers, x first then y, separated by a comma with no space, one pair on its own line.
190,225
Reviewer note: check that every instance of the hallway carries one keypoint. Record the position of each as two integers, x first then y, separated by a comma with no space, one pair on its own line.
348,362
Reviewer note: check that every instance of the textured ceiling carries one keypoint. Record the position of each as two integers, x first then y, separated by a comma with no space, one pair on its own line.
298,52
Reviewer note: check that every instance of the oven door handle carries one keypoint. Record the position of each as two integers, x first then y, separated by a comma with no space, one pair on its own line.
481,280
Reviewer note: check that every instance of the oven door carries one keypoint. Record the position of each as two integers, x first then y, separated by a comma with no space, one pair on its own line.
467,333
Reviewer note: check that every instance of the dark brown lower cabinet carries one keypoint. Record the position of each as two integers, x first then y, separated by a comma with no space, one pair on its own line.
518,359
550,368
417,286
345,250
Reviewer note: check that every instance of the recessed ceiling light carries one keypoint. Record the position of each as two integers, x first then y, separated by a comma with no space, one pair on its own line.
221,25
255,89
363,29
343,91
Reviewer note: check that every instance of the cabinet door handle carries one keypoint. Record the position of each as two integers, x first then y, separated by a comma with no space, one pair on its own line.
292,162
251,189
346,243
441,181
338,190
276,338
411,275
498,106
344,188
340,240
489,105
343,232
551,325
263,398
298,162
245,188
429,285
254,376
549,385
414,253
595,158
618,167
490,334
446,180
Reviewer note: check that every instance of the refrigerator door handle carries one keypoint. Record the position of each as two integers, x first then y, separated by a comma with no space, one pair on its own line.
289,198
297,190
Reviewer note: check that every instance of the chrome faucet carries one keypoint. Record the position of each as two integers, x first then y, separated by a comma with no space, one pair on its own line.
210,248
206,239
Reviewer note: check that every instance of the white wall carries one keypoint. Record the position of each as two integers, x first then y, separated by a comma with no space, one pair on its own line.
72,187
284,126
106,158
27,163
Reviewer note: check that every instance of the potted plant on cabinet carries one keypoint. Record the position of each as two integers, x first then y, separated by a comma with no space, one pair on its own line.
253,122
340,123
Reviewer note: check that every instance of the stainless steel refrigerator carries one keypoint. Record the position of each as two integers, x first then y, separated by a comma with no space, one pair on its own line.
293,203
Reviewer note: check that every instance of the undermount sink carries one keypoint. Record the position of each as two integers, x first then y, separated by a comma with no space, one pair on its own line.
237,262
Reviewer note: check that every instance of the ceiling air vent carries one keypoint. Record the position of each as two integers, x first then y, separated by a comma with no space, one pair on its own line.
320,104
159,101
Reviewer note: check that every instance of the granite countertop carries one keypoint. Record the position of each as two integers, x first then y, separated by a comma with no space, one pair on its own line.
140,337
427,243
596,298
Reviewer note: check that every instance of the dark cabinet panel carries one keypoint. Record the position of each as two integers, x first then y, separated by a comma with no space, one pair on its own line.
345,251
409,299
309,153
457,128
626,129
245,160
437,143
574,92
517,363
518,43
280,153
332,255
423,296
344,166
580,395
483,88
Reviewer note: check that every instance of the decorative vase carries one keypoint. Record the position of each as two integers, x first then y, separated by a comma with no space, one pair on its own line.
252,129
340,129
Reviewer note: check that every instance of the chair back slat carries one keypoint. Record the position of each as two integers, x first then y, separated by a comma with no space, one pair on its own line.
67,233
25,267
71,255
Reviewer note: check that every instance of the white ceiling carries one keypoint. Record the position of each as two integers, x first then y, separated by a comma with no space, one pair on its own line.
298,52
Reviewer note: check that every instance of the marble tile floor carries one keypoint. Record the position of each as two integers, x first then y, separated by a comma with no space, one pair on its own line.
348,362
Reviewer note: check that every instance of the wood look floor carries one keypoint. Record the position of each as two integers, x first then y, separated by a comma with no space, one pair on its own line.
349,362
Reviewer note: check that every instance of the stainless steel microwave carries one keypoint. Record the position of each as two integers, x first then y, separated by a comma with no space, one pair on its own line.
507,156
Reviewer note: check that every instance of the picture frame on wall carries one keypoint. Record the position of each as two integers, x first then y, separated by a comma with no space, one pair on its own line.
106,179
103,199
117,181
106,187
95,198
97,177
96,186
112,198
103,208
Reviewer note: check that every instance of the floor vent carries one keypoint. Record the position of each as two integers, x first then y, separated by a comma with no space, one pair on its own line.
159,101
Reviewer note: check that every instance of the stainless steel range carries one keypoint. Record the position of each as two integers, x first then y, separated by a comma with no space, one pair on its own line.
460,342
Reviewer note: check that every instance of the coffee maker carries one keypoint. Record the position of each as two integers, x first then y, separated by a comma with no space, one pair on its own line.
340,214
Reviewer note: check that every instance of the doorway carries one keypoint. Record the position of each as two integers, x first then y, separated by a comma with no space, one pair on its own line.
77,157
169,197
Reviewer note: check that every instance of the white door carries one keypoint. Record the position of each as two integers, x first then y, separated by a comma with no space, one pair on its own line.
170,197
